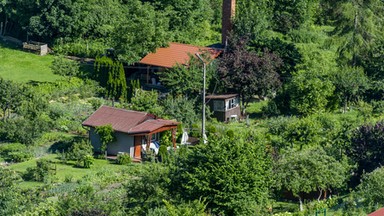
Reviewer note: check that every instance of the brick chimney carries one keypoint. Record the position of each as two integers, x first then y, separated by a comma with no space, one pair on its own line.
228,15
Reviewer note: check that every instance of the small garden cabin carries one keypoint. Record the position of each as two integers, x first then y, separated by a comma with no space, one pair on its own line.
132,130
225,107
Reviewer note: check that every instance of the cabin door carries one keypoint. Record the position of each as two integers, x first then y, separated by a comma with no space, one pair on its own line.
137,153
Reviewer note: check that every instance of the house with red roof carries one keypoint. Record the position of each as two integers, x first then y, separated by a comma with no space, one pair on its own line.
379,212
134,131
176,54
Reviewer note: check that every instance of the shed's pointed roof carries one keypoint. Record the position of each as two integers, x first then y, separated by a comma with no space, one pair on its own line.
126,121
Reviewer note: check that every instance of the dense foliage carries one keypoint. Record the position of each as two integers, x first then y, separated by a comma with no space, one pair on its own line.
316,140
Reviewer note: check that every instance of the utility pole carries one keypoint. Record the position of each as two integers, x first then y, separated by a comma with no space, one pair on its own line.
203,108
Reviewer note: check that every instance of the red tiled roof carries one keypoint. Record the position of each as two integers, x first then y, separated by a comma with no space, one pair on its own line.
126,121
379,212
176,53
152,125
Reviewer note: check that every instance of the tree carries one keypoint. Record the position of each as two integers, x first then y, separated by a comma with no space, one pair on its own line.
106,134
191,76
142,31
288,52
181,109
11,198
248,74
367,148
111,75
146,101
371,189
308,171
245,23
358,26
10,97
309,92
148,190
81,152
230,174
189,20
288,15
350,83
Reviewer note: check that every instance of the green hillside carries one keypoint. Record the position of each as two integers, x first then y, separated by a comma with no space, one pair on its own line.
23,67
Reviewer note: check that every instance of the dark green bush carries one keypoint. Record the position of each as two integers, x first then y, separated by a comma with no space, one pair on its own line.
5,149
18,157
42,170
15,152
123,159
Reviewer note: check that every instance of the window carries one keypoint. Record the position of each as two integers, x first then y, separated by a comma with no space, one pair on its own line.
233,103
218,105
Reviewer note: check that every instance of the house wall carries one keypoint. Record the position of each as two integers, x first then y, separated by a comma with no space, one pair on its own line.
123,143
95,140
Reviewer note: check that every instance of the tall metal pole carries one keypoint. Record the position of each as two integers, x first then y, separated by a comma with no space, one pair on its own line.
203,108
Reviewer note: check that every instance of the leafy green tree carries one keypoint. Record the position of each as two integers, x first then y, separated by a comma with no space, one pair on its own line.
148,190
10,196
146,101
80,152
106,134
309,93
371,189
42,170
288,52
181,109
142,31
288,15
308,171
247,73
191,76
11,97
189,20
231,175
350,83
245,23
366,148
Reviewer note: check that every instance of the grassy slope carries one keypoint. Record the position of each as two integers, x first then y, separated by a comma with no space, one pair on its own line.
66,170
21,66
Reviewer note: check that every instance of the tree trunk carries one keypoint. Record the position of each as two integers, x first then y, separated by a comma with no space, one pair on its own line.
301,204
319,197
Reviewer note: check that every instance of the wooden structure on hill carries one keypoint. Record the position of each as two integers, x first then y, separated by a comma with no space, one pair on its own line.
36,47
225,107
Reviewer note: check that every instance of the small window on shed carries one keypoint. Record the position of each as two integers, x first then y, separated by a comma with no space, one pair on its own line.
233,103
218,105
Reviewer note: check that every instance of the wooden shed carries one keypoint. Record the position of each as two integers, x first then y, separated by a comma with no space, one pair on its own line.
225,107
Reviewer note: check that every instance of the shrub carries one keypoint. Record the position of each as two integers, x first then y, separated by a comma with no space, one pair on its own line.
87,161
81,152
42,170
15,152
12,147
18,157
65,67
123,159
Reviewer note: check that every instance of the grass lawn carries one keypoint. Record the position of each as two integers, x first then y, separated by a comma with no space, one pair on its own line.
67,170
22,66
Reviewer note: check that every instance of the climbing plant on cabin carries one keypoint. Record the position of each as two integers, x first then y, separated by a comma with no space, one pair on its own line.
106,135
111,75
